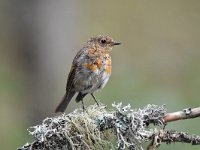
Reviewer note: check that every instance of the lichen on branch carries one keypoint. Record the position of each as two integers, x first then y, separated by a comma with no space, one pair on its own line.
99,128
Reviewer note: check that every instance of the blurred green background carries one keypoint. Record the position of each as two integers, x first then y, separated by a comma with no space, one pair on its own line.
158,62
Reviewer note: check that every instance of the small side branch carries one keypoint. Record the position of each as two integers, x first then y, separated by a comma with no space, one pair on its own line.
172,136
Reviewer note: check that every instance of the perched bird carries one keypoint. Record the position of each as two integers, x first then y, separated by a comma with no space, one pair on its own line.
90,70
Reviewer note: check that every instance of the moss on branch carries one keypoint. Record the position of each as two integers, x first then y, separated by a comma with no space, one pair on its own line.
99,128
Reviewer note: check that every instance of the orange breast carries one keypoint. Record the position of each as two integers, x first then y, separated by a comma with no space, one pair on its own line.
108,68
98,63
91,67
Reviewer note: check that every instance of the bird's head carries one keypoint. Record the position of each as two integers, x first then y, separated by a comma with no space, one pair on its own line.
103,42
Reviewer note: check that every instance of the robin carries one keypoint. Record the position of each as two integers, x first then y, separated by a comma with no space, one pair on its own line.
90,70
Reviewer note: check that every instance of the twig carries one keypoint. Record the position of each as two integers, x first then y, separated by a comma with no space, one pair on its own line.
172,136
185,114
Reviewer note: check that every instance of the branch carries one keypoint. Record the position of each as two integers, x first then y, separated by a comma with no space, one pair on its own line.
98,128
172,136
185,114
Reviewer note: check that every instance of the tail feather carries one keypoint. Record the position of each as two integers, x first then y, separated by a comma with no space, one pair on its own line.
65,101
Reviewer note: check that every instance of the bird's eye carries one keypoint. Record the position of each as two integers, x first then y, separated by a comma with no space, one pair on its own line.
103,41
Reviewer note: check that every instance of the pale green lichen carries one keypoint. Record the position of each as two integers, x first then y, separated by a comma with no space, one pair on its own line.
97,128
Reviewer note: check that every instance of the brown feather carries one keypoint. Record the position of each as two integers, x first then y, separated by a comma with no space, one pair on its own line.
69,91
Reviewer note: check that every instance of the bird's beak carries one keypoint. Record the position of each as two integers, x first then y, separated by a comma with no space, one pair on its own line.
115,43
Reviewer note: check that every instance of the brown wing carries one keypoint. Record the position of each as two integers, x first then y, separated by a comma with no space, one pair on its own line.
80,54
69,92
70,79
75,64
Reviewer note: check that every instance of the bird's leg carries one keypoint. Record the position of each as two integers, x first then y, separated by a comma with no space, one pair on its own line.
83,105
95,99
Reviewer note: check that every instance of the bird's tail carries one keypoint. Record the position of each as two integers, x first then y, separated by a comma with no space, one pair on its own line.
65,101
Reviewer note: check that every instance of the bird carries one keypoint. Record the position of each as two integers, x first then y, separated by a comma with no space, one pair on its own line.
90,70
